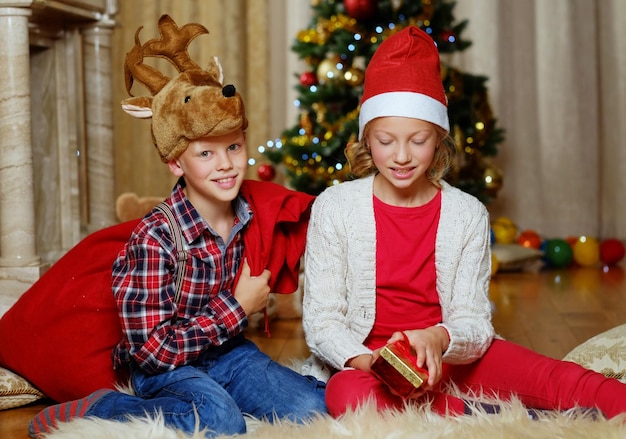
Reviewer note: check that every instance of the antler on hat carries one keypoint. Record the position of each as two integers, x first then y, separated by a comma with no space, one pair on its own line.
193,104
403,79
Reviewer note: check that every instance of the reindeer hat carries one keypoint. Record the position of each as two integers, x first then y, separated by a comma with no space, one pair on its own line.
193,104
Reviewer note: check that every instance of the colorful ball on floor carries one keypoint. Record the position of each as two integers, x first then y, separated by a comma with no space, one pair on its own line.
612,251
587,251
504,230
572,240
558,253
529,239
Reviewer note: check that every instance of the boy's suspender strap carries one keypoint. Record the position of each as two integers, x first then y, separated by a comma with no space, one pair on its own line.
181,253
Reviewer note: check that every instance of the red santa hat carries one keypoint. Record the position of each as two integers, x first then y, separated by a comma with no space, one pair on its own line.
403,78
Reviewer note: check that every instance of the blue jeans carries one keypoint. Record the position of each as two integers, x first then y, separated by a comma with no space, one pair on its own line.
224,384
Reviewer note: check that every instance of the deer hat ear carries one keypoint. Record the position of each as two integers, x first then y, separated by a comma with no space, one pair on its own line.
215,69
139,107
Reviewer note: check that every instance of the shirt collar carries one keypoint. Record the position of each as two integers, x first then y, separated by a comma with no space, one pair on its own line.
192,224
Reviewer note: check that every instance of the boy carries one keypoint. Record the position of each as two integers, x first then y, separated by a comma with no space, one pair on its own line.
187,355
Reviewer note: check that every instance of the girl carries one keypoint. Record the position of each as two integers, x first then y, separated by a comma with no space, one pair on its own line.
400,253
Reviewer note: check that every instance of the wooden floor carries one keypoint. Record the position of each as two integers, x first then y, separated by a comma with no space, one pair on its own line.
551,312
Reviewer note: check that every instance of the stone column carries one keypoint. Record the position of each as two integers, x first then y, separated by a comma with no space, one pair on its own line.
17,212
19,261
99,119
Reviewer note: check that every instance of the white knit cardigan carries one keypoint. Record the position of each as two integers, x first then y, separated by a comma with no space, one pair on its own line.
340,276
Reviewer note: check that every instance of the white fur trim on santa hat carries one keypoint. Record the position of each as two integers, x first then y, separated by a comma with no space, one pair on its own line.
403,104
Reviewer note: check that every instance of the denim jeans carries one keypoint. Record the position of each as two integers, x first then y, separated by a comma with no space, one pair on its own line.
224,384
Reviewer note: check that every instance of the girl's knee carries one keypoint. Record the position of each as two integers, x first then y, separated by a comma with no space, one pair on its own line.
343,393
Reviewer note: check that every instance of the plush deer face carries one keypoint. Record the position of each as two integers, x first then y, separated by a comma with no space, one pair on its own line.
193,104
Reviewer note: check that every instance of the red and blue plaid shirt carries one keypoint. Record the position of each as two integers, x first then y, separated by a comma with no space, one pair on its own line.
158,334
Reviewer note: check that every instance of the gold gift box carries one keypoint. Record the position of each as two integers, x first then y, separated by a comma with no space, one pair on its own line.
398,370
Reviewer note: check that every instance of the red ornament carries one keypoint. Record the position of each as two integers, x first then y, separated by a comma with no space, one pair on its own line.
308,79
266,172
447,36
612,251
361,9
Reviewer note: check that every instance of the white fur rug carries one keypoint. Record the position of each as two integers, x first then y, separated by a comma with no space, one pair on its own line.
413,423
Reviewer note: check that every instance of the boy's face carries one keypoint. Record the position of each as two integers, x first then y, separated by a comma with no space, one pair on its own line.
214,168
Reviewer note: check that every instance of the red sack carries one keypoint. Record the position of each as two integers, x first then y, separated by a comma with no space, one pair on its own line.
60,333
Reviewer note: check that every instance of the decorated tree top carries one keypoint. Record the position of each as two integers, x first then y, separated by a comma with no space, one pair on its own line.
336,47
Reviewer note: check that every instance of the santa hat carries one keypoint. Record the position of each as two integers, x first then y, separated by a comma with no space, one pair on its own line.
403,78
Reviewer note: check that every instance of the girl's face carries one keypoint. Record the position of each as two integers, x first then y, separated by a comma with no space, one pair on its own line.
214,168
402,149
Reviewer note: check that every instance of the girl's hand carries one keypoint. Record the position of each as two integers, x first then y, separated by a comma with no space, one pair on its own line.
363,362
429,345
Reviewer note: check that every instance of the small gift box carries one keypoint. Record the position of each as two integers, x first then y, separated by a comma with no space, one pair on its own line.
397,368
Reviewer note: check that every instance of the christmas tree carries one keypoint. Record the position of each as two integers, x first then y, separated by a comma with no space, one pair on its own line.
336,48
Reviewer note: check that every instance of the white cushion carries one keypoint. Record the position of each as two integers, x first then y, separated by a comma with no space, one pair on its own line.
15,391
604,353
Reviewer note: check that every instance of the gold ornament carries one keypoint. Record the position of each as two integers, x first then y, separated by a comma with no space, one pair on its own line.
493,179
327,71
354,76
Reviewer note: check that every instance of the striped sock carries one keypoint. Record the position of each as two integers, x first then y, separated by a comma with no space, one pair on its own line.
472,406
47,420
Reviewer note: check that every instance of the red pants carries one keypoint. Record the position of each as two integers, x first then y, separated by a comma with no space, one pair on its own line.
505,370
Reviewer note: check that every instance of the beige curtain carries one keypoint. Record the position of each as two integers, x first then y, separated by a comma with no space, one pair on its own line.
238,36
557,74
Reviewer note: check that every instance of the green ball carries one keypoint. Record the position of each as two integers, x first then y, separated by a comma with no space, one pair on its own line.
558,253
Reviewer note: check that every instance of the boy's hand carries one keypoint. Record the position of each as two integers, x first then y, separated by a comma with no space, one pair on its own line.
252,292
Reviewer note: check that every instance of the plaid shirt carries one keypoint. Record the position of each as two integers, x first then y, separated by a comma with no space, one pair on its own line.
158,334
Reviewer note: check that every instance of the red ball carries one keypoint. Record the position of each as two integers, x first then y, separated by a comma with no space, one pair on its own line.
308,79
530,239
361,9
612,251
572,240
266,172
